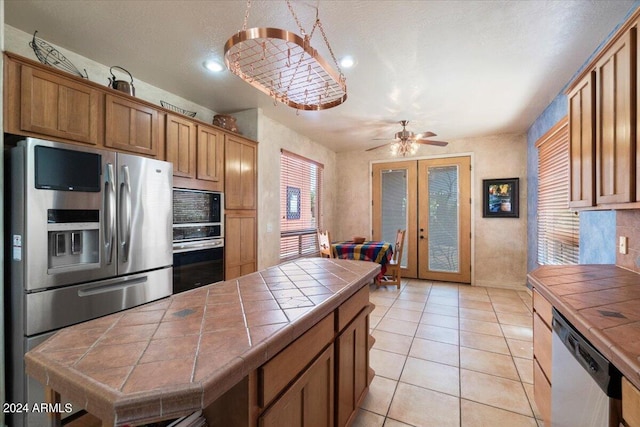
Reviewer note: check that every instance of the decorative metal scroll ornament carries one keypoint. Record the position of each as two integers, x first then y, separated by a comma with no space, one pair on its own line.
284,66
49,55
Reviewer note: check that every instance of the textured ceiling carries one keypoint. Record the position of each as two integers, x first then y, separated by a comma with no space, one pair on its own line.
457,68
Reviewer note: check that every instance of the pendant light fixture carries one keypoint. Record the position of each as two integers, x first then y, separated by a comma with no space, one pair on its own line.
284,66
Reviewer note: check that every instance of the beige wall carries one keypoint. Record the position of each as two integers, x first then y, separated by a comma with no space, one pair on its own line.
499,244
273,137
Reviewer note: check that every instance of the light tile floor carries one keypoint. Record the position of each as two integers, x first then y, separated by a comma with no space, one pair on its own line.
450,355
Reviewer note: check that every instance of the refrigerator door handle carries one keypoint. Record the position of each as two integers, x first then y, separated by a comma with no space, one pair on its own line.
109,224
111,286
125,213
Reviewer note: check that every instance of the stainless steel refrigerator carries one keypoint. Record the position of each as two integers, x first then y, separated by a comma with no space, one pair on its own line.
90,234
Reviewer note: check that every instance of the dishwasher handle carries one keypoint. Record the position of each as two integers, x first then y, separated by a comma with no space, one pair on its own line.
583,355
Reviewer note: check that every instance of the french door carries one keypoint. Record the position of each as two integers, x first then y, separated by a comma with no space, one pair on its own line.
431,199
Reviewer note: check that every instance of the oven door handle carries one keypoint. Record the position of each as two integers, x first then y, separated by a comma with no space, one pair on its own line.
196,246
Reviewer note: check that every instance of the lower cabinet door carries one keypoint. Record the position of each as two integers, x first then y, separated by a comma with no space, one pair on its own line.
240,252
352,353
309,401
542,393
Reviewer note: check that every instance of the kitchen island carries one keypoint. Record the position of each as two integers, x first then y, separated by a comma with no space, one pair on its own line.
250,350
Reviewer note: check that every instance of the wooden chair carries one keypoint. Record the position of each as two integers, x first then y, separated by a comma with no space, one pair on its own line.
324,244
392,275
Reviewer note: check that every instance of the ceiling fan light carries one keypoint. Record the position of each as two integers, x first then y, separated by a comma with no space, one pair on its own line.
404,134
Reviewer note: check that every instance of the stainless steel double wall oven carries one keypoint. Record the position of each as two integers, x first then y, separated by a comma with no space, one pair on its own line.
89,233
198,238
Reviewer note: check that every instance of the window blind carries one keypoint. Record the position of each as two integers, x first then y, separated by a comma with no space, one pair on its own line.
558,227
300,205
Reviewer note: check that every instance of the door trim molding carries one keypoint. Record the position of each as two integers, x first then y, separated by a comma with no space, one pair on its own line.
475,193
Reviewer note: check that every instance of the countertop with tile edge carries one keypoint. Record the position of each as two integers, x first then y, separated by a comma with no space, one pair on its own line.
171,357
603,304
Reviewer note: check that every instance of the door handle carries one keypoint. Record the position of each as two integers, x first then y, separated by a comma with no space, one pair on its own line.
112,286
109,221
125,213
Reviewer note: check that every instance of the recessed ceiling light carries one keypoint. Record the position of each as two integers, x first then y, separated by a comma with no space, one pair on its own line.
347,61
213,66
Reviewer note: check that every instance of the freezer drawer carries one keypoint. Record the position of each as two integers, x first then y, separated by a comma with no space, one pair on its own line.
50,310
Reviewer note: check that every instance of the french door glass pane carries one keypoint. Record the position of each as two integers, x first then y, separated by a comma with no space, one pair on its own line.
444,254
394,206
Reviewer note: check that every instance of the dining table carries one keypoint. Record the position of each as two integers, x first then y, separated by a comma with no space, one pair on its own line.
370,250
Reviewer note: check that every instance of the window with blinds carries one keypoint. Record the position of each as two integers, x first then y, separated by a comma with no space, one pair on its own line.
300,205
558,227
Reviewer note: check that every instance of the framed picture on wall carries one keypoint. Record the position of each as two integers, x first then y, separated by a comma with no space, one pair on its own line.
500,198
293,203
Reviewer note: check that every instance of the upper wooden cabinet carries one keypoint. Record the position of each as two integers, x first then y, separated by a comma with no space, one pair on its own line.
582,151
53,105
197,154
210,164
602,126
615,122
131,126
180,140
241,158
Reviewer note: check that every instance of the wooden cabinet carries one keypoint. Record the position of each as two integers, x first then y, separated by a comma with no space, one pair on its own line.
615,103
240,173
630,404
582,151
352,366
197,154
240,187
277,373
55,106
603,126
180,141
309,401
542,374
210,157
240,243
131,126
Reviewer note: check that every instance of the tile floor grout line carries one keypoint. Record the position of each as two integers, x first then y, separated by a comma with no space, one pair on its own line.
396,298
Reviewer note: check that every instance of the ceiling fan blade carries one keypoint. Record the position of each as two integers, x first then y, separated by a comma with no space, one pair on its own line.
374,148
423,135
432,142
383,139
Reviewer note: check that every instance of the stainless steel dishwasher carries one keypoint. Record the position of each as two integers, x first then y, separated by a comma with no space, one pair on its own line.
585,386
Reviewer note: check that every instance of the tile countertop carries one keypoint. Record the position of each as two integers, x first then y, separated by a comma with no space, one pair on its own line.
177,355
603,303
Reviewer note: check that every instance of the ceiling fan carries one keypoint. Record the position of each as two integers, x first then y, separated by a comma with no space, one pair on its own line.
406,142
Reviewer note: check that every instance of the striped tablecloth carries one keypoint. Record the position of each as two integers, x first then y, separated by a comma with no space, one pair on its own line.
380,252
